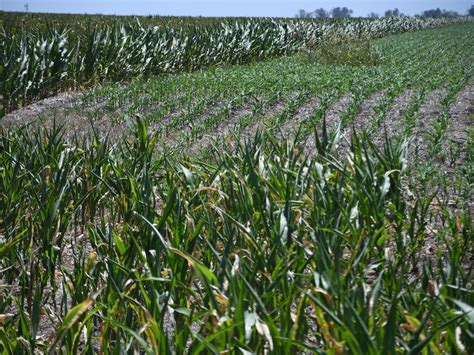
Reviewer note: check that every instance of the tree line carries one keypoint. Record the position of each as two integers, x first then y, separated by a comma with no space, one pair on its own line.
341,12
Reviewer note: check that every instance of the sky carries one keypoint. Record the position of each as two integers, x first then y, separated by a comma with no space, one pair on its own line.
270,8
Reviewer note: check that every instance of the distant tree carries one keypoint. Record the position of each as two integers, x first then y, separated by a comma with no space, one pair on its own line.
321,13
448,13
439,13
26,7
373,15
470,12
303,14
392,13
432,13
339,12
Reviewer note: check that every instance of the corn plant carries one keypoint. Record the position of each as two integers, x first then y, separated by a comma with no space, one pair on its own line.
259,248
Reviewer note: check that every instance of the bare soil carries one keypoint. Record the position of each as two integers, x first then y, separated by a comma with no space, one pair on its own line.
303,113
223,131
361,122
461,121
427,116
31,112
227,131
63,110
394,123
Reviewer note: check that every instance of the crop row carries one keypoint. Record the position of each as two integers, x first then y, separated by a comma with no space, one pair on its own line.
194,104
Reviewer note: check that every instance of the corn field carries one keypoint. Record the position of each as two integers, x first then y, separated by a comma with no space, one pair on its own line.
251,186
38,61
